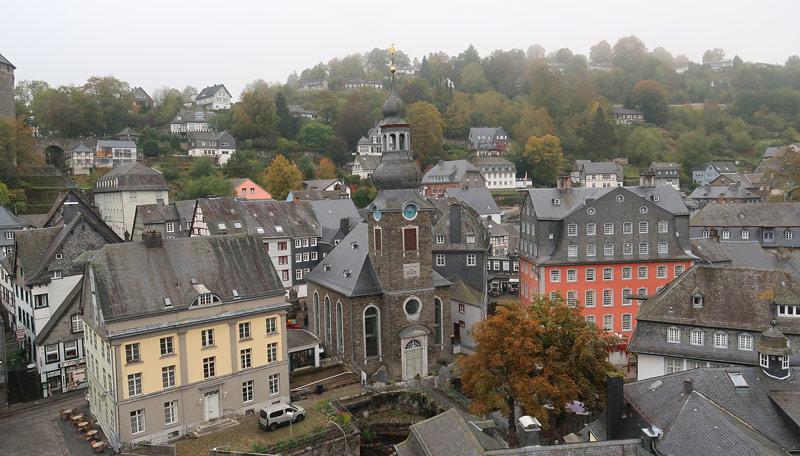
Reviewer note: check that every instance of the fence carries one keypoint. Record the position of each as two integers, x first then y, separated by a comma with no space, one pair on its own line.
221,451
147,449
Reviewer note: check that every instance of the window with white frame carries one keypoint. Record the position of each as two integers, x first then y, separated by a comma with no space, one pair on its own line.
627,322
661,271
76,323
440,239
591,250
726,234
298,274
297,243
663,226
470,239
663,247
135,384
608,298
209,367
627,273
745,342
439,259
644,248
608,250
784,362
247,391
168,376
572,229
643,228
673,365
763,360
706,233
170,412
572,297
608,273
170,227
137,421
572,251
591,319
590,273
745,233
572,275
696,337
272,352
555,276
207,337
787,234
673,335
70,349
471,259
588,299
786,310
627,228
298,257
608,322
554,295
641,272
679,268
246,358
244,330
591,229
608,228
720,340
274,384
132,353
313,256
626,296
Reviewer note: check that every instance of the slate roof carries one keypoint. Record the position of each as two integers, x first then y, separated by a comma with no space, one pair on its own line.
485,143
492,161
68,196
329,212
191,115
319,184
82,148
210,91
735,191
315,195
186,210
5,61
465,293
453,170
31,245
747,254
748,215
369,162
33,220
131,177
297,338
721,167
348,270
663,166
607,448
364,140
9,220
140,94
115,143
478,198
132,280
662,402
156,213
623,111
590,167
574,198
710,250
296,218
212,136
446,434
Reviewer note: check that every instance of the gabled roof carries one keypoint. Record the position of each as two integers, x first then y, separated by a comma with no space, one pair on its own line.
573,198
463,292
748,214
347,269
82,148
329,212
590,167
131,177
735,191
4,61
319,184
478,198
446,434
492,161
156,213
186,209
262,217
30,246
132,280
454,170
210,91
9,220
369,162
211,136
140,94
663,166
66,196
191,115
71,302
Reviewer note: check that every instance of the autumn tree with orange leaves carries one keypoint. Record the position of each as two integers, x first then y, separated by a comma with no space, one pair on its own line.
541,354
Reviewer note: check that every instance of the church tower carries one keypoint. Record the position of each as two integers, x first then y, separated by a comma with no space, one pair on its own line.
7,108
400,220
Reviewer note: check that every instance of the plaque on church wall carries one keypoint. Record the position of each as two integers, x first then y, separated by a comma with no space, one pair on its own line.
410,270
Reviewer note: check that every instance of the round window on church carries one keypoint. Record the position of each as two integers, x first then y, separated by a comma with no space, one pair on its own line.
412,307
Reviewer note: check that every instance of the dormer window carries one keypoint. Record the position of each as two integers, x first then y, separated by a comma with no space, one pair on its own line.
556,202
206,299
697,299
279,229
470,239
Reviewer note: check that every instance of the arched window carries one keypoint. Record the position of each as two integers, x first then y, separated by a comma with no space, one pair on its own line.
339,329
327,320
372,345
316,315
437,319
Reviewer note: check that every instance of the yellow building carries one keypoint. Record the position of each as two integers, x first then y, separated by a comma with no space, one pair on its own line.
181,332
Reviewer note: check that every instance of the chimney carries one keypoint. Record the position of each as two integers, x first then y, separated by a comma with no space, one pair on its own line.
714,234
647,179
563,181
455,224
613,406
344,225
528,428
688,387
151,239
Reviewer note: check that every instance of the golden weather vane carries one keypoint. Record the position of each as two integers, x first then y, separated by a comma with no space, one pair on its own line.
391,51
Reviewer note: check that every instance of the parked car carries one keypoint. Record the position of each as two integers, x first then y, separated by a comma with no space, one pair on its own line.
293,326
277,414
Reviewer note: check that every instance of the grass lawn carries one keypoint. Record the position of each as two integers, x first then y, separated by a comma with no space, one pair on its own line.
242,437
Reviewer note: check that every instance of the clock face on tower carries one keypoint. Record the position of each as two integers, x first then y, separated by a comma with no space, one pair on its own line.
410,211
376,213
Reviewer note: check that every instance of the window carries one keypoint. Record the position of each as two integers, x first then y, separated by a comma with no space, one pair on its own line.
55,274
439,259
663,248
297,243
706,233
785,310
371,332
673,335
272,352
461,308
696,337
244,330
763,360
170,412
245,358
745,234
306,256
167,347
591,319
572,275
285,275
9,235
591,250
661,271
313,242
555,275
608,298
627,249
572,251
627,322
673,365
135,384
305,242
137,421
207,337
247,391
572,229
608,228
643,228
626,296
641,272
663,226
787,234
745,342
76,323
440,239
784,362
437,319
627,273
313,256
692,364
272,325
168,376
209,367
274,384
471,259
726,234
720,340
572,297
339,328
132,353
608,273
282,245
298,257
644,248
608,250
409,239
627,228
589,274
679,268
70,349
608,322
170,227
591,229
283,259
40,301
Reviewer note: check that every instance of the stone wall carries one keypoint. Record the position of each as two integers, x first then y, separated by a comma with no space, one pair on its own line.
7,91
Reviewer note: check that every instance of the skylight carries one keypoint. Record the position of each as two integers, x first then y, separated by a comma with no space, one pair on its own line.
279,228
221,226
737,380
259,230
237,225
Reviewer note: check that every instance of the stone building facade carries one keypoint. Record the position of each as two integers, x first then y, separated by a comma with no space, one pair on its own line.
6,87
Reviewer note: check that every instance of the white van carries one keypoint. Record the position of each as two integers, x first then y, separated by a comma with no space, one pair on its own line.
276,414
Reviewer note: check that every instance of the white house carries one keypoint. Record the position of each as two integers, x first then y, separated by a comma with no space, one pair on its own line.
117,194
214,97
221,146
190,121
112,153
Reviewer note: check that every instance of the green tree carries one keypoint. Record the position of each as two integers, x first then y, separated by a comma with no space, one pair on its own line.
221,121
534,122
535,51
541,356
352,121
327,105
742,143
114,99
713,55
146,134
599,139
243,163
254,117
315,136
628,51
5,195
206,186
455,124
289,124
693,148
545,158
600,52
363,196
282,177
650,98
150,148
644,146
473,79
201,167
306,166
337,151
426,132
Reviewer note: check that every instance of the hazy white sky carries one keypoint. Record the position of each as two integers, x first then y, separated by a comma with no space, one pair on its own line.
177,43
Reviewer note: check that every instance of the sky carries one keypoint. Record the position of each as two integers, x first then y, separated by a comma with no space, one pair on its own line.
201,43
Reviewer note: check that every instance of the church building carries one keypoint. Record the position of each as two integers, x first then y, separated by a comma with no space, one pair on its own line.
375,299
